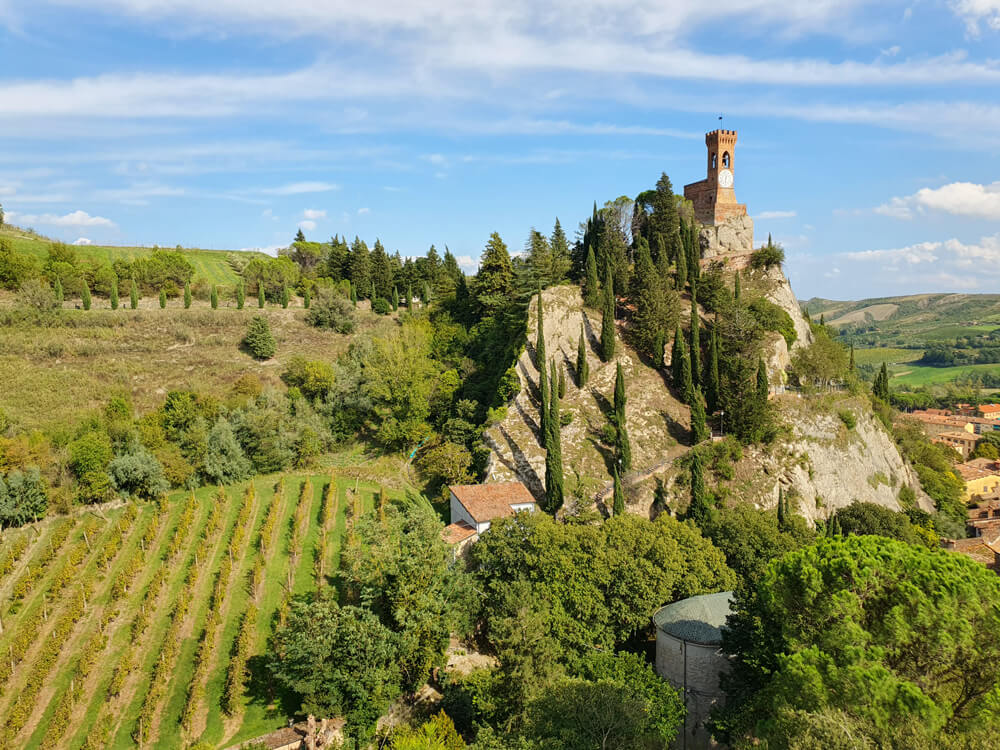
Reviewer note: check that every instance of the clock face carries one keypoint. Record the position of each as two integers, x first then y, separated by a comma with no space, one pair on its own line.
725,178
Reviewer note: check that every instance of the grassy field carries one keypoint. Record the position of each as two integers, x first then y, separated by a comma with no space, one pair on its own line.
121,626
56,372
211,266
908,374
889,356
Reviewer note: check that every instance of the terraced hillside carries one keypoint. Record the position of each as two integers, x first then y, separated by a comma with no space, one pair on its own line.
210,266
144,625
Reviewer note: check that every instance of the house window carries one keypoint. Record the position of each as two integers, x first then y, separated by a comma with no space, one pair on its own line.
725,159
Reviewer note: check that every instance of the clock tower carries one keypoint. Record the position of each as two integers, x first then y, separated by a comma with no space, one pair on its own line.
713,198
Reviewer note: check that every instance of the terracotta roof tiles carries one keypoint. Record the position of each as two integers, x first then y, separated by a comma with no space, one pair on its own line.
486,502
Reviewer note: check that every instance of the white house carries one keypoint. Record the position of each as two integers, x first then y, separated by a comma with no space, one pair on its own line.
475,506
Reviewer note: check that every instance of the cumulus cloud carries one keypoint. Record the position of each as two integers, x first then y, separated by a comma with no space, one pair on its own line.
958,198
307,224
776,215
82,241
313,213
74,219
466,261
976,12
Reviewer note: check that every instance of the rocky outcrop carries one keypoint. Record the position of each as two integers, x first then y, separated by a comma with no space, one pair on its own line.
780,293
732,237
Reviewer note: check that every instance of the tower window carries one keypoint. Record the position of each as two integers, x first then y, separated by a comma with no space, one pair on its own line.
714,160
725,159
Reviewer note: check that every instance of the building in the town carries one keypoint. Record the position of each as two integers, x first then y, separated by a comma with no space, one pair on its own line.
475,506
962,441
981,477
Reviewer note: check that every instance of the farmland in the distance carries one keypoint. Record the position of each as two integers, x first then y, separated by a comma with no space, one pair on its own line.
144,625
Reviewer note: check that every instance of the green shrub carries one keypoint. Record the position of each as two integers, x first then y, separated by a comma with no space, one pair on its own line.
330,310
847,418
381,306
773,318
259,340
767,257
163,298
138,474
85,296
37,294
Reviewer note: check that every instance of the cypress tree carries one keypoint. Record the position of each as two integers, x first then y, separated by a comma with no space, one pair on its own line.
623,443
163,298
427,294
782,519
543,377
261,297
187,294
619,495
736,287
699,509
409,298
608,319
836,526
114,294
677,356
695,337
659,349
354,295
562,383
822,319
59,293
688,392
395,299
850,364
881,386
711,378
681,277
699,423
582,367
85,295
285,299
133,296
553,450
214,298
241,296
763,386
307,297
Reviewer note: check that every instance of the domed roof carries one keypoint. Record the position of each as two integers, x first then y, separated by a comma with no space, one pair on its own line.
699,619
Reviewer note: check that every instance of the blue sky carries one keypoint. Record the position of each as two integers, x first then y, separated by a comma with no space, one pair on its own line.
869,132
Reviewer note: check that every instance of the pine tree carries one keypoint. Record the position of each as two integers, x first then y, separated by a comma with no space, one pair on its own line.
354,295
426,295
677,356
591,285
163,298
187,294
623,444
652,300
711,378
285,298
299,236
409,298
560,254
736,287
241,295
582,367
618,505
114,294
608,319
306,297
695,337
133,295
259,340
553,449
261,298
59,293
371,292
85,295
699,509
395,299
214,298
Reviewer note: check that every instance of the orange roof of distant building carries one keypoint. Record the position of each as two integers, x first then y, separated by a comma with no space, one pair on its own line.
486,502
968,473
963,436
986,464
990,408
457,532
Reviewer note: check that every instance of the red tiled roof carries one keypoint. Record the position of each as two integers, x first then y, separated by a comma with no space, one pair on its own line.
968,473
989,408
457,532
486,502
964,437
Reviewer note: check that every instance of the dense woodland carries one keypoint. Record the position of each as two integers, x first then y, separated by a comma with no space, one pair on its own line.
857,633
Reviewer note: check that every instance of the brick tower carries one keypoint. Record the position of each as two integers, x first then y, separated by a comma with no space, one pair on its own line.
714,198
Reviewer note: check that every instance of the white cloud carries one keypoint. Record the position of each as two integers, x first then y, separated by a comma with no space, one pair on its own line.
74,219
436,158
776,215
299,188
364,210
957,198
466,261
313,213
268,249
974,12
307,224
82,241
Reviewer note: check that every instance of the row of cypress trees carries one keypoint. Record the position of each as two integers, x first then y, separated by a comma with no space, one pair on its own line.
86,299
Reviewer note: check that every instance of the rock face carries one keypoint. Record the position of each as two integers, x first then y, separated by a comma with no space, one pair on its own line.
782,295
827,466
732,237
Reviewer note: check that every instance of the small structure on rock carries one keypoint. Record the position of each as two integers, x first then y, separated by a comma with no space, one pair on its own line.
689,657
311,734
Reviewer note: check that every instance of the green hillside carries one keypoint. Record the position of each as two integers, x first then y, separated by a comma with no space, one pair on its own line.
211,266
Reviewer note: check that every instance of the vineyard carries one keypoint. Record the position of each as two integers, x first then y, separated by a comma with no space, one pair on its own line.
144,626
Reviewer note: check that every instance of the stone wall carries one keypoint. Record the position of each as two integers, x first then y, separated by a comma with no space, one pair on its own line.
733,237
